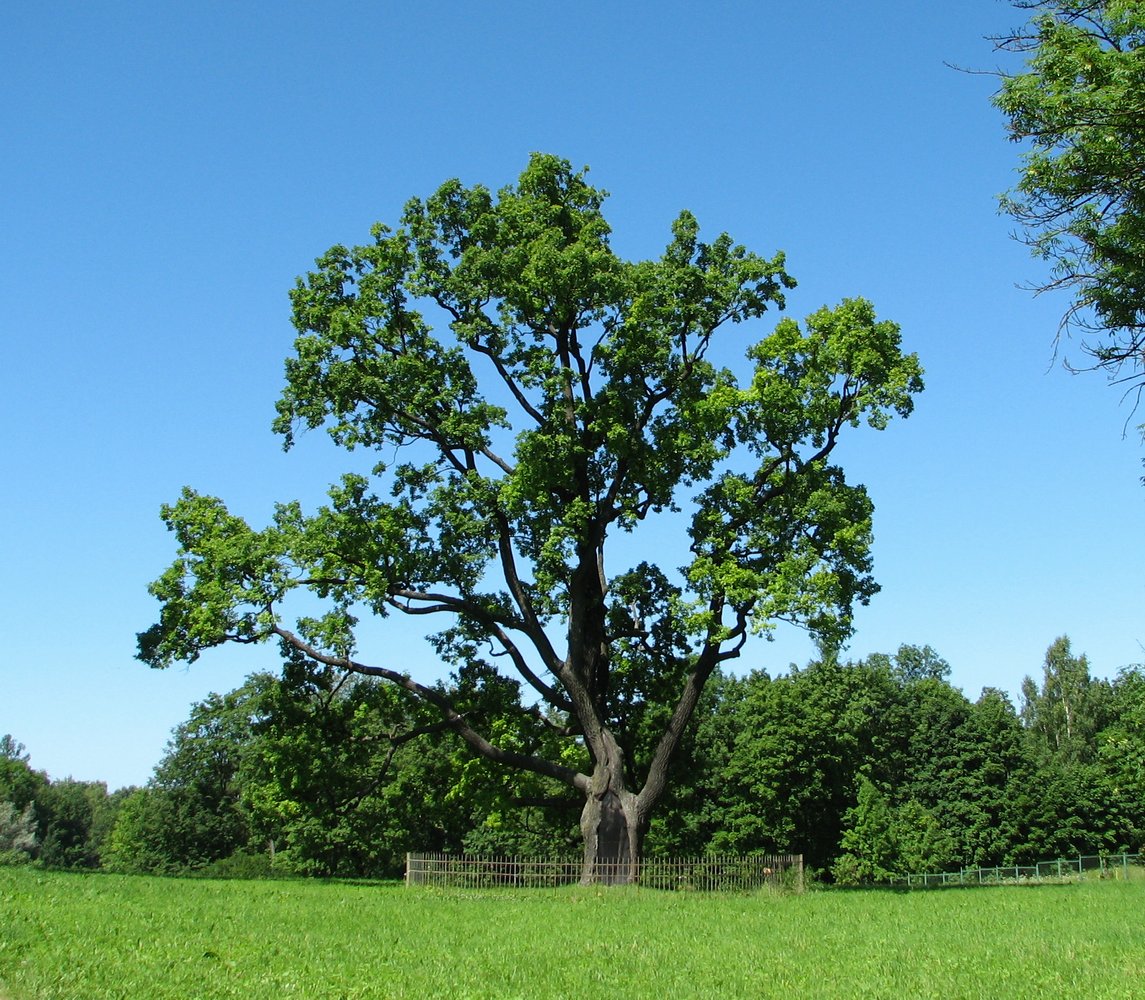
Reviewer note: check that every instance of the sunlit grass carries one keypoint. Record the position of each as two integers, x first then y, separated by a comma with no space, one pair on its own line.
102,936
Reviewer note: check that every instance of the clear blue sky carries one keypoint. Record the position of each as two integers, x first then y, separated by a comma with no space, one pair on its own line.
169,169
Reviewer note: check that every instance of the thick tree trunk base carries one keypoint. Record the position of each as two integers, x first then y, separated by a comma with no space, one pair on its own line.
613,839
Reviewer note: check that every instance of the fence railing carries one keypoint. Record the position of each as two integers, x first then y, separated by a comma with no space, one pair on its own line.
1077,867
707,873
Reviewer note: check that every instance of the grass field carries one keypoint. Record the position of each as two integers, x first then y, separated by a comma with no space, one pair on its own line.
95,936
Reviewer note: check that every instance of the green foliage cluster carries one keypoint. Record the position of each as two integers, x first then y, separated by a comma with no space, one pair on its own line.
319,772
67,936
1078,109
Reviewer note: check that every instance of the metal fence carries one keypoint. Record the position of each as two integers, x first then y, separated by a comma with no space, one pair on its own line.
707,873
1121,866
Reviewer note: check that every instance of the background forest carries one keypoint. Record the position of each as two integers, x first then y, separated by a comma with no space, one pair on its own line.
867,767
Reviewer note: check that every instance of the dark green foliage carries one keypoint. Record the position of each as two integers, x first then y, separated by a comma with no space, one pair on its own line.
323,773
966,761
691,814
881,840
999,765
1080,796
73,819
1121,762
349,774
76,818
800,744
142,840
336,785
867,768
883,764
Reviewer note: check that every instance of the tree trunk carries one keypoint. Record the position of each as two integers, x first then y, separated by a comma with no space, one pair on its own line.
613,825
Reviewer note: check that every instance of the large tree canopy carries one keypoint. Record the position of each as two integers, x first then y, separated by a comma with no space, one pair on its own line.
533,395
1079,109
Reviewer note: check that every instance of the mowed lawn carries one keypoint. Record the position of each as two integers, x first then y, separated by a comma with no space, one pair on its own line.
95,936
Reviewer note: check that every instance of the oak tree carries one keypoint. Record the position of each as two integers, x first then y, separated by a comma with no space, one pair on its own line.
534,398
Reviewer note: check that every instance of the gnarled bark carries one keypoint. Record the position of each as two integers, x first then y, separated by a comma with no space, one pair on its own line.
613,823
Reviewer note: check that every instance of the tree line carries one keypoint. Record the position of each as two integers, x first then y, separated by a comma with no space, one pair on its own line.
866,767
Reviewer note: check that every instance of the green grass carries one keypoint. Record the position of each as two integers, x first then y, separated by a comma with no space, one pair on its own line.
97,936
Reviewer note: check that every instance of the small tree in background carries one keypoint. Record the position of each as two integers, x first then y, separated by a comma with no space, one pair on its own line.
870,848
